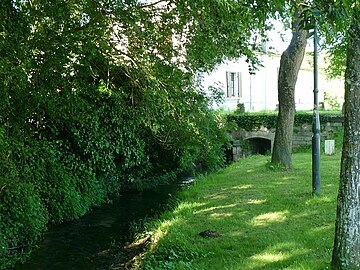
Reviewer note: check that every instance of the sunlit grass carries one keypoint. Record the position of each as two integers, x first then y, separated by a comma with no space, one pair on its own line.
267,219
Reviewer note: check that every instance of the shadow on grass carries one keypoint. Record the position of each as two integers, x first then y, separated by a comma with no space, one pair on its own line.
267,219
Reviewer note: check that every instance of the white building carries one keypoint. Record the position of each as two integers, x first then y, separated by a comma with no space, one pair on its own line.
259,92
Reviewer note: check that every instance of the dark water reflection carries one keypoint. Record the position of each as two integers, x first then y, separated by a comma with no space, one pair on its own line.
76,245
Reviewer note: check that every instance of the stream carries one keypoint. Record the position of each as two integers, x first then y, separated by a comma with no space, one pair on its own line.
79,244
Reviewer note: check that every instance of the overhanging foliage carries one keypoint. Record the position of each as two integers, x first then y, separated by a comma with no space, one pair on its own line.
97,95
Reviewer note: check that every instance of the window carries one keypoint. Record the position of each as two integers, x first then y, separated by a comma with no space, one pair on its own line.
234,84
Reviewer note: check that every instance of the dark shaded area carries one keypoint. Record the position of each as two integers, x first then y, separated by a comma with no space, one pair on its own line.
259,146
87,242
228,153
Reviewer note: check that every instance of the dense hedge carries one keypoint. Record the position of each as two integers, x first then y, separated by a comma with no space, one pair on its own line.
254,121
77,150
69,142
92,102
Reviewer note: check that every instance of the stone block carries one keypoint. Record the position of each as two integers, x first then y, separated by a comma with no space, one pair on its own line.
329,147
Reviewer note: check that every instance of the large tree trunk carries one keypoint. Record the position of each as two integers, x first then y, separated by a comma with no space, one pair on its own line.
290,63
346,253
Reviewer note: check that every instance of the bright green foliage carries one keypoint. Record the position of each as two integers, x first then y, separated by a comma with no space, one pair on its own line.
97,95
335,18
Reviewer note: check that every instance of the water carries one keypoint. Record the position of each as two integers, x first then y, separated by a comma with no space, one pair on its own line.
80,244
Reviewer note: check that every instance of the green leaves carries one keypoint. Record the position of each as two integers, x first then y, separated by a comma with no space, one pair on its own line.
96,95
335,18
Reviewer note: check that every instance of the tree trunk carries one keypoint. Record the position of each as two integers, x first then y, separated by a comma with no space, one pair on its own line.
346,252
290,63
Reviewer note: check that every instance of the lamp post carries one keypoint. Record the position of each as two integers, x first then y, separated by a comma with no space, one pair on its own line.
316,124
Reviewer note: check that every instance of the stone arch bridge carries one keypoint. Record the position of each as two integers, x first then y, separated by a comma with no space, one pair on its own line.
261,141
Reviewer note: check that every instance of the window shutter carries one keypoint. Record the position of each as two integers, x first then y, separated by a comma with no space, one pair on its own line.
239,84
228,83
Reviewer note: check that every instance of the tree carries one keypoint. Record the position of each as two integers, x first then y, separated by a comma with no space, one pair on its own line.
346,252
290,63
96,95
340,25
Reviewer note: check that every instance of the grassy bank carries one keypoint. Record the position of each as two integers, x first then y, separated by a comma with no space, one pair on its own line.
266,219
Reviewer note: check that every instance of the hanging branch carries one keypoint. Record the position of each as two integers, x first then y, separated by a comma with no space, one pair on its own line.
3,187
154,4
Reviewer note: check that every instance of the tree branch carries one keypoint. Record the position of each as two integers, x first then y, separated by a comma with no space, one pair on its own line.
3,187
153,4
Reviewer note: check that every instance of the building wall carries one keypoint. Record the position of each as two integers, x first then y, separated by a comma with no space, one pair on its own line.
259,91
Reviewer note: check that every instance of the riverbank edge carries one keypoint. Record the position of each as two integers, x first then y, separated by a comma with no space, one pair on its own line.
328,199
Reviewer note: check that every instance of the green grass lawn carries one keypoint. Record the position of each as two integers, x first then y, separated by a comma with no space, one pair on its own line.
267,219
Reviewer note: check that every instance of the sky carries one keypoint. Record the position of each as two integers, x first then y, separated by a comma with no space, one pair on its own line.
279,38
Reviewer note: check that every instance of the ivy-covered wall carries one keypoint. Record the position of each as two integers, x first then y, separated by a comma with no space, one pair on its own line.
250,126
256,121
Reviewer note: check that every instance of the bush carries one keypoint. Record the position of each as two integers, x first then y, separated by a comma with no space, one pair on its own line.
80,125
22,222
80,149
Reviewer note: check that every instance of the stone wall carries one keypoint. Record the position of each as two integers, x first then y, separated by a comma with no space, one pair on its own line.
302,135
